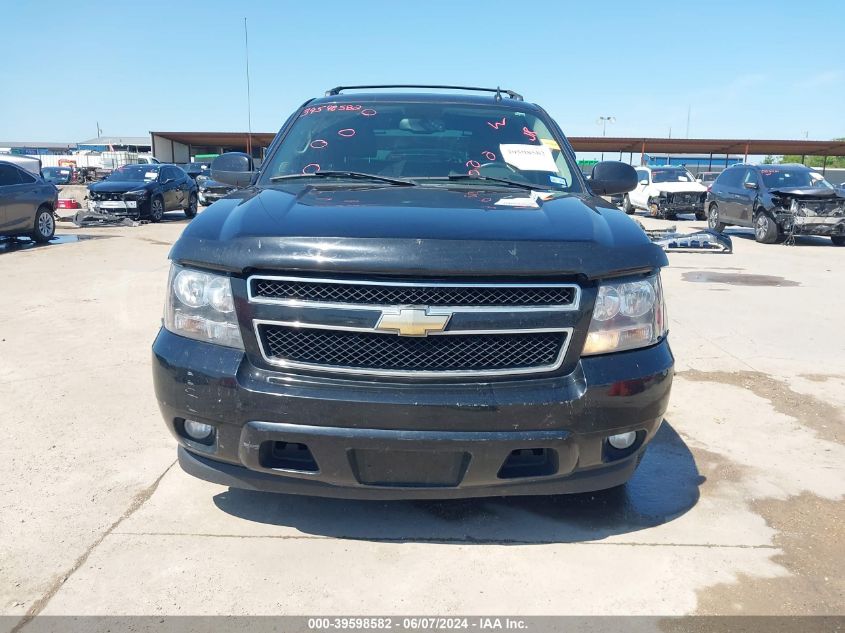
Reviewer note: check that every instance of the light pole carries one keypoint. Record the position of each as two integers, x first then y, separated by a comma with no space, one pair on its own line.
603,121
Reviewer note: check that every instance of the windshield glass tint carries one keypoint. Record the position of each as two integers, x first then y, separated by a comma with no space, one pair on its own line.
781,178
421,140
671,175
131,173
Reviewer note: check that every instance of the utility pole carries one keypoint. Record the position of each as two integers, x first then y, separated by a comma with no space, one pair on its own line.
248,100
99,130
603,121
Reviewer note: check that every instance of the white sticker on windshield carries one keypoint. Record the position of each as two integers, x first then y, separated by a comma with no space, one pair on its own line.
150,175
529,157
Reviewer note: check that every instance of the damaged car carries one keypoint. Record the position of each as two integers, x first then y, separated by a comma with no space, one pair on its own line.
666,191
778,201
143,192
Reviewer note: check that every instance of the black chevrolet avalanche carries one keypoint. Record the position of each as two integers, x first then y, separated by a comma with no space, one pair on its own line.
415,296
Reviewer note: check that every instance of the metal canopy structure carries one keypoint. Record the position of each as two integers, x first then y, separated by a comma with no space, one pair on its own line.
259,139
747,147
608,144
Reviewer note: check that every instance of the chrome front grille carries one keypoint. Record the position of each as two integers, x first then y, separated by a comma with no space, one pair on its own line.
356,351
322,291
412,328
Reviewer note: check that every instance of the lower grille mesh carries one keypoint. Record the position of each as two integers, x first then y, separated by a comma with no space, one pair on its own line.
387,352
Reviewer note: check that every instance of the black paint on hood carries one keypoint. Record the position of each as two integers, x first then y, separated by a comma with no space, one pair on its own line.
425,230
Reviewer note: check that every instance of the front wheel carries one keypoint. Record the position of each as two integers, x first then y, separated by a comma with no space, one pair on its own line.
838,240
713,222
45,225
156,210
627,206
191,211
765,228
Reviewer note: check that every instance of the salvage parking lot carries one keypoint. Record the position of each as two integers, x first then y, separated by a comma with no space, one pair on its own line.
736,508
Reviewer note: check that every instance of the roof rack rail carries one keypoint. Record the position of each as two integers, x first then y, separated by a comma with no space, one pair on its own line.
498,91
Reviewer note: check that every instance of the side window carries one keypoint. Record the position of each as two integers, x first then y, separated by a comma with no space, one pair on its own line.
642,174
179,173
25,177
750,176
8,176
167,173
729,178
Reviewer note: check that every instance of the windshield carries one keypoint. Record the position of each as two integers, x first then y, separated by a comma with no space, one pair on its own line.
709,176
785,178
132,173
671,175
423,141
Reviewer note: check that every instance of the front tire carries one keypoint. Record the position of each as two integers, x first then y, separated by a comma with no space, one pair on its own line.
627,206
713,222
156,210
838,240
700,215
765,228
191,211
45,225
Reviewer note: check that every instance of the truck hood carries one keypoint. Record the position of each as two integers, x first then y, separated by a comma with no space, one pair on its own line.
416,230
807,192
118,186
675,187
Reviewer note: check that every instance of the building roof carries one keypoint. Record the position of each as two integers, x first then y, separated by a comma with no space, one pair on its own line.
117,140
36,144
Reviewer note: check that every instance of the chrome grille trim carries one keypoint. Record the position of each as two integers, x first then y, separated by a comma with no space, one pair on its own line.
410,373
572,306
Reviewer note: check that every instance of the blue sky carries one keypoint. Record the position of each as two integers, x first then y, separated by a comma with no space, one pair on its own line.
746,69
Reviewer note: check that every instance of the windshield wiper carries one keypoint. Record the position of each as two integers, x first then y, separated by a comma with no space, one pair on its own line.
503,181
346,174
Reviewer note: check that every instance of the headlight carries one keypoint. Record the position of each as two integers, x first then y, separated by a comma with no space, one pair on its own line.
628,313
200,306
138,193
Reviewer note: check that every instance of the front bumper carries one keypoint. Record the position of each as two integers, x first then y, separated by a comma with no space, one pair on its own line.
670,205
118,208
396,441
818,225
209,197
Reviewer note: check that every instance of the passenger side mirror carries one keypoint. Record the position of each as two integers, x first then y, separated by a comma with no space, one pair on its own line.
233,168
610,176
749,185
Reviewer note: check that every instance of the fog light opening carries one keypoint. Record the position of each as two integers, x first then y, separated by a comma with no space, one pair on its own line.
622,441
198,431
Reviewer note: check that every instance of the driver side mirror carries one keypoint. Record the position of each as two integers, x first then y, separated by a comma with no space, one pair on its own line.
749,185
611,176
233,168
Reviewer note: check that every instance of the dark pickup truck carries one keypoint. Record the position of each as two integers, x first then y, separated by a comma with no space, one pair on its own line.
417,295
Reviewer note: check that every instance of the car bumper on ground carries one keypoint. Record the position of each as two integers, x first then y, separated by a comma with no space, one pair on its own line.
339,438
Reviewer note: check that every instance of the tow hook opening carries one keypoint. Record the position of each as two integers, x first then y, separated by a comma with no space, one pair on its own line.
287,456
529,462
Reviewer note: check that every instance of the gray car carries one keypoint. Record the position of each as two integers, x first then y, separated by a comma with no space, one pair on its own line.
27,201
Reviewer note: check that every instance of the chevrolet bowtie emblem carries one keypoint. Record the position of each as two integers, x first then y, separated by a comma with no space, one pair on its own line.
412,322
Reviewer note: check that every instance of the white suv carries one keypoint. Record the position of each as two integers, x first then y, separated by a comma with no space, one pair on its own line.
666,191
